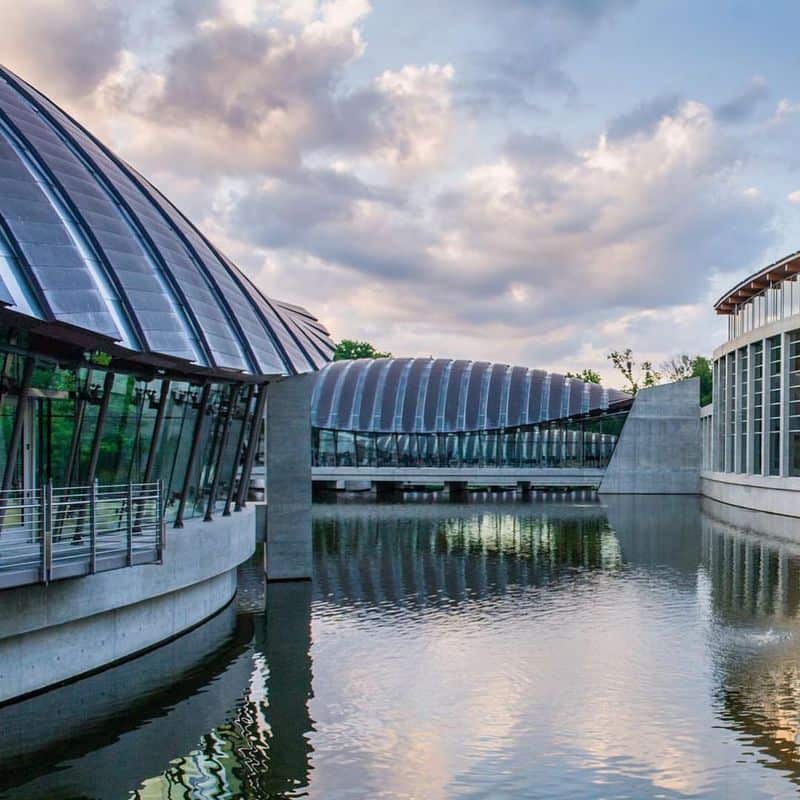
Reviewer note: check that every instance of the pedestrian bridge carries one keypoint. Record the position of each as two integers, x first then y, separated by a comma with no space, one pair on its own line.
570,453
476,475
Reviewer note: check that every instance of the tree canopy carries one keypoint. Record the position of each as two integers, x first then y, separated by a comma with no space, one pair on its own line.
677,368
586,375
637,376
350,348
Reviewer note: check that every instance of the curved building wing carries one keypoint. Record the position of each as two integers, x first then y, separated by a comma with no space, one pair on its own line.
89,248
426,395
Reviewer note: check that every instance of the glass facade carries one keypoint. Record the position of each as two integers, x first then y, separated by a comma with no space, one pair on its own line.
80,422
741,454
778,301
755,426
794,403
758,405
775,405
730,416
586,442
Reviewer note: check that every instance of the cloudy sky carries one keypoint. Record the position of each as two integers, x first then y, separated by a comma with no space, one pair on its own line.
525,181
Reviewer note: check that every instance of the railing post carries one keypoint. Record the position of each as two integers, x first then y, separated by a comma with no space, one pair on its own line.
47,531
129,521
93,527
160,520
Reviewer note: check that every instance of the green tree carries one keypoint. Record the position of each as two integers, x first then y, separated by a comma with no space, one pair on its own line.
701,368
679,368
350,348
637,376
585,375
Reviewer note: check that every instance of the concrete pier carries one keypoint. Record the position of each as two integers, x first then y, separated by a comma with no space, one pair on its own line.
457,490
388,490
287,554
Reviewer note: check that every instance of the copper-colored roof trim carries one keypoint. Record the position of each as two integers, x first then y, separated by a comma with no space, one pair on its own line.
757,282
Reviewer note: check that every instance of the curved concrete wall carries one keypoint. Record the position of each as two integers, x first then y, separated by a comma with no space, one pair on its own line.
49,634
102,735
773,495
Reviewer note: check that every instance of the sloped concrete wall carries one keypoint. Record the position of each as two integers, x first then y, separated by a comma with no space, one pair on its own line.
659,450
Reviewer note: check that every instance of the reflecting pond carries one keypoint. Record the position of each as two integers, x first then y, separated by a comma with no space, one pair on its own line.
558,648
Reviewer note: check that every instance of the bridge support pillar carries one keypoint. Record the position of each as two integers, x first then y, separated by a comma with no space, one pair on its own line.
320,488
388,490
457,490
525,488
287,553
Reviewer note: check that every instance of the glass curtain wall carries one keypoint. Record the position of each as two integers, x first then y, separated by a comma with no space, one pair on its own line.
741,460
730,417
775,405
61,442
570,443
779,301
794,403
758,405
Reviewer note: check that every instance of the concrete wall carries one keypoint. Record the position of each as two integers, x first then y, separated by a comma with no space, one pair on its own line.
100,736
748,522
49,634
773,495
287,554
659,450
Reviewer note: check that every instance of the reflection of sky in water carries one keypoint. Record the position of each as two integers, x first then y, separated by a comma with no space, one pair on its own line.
632,649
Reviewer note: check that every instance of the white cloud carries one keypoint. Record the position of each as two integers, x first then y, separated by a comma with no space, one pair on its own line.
418,120
785,109
794,197
345,185
546,255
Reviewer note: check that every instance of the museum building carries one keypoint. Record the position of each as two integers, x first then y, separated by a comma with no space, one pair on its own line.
751,430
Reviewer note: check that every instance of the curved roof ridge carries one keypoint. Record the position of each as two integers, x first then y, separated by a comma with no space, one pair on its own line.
147,264
475,398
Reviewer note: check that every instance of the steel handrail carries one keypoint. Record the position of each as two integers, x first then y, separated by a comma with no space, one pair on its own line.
49,533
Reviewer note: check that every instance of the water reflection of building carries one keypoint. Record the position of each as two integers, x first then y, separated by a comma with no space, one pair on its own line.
99,736
377,554
262,750
754,591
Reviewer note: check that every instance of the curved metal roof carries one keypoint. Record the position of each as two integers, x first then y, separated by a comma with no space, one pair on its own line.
88,245
438,395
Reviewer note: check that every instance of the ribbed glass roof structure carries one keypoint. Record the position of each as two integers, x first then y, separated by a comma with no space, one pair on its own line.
437,395
93,254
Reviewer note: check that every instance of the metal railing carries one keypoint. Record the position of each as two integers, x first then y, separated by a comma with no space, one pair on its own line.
50,533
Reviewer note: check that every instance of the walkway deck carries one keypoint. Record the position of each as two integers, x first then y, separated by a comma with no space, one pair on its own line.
478,476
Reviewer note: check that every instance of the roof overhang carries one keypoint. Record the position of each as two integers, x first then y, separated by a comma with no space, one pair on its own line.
66,342
757,282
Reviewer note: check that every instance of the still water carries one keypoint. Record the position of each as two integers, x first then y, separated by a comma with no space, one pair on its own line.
637,648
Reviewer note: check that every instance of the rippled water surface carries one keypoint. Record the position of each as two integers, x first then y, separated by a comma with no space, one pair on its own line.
636,648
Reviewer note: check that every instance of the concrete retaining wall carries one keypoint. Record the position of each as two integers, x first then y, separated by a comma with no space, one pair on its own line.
49,634
659,449
756,492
